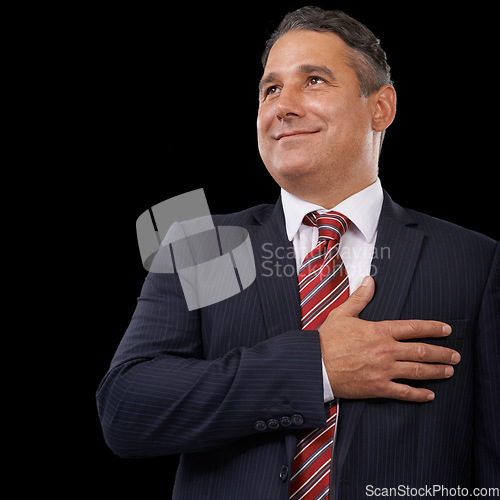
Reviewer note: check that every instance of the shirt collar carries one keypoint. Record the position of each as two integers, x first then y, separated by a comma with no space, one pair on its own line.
362,208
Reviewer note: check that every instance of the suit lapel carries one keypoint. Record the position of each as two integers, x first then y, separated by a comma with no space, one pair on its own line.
395,256
276,274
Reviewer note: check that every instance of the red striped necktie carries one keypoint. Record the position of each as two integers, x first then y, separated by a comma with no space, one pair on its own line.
323,285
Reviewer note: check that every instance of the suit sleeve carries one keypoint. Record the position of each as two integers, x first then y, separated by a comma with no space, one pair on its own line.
162,397
486,433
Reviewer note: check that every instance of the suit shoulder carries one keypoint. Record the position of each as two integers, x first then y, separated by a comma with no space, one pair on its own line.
246,217
448,232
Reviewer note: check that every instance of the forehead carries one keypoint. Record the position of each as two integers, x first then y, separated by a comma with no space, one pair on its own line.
299,47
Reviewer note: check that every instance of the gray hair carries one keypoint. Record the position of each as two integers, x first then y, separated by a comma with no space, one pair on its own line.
367,58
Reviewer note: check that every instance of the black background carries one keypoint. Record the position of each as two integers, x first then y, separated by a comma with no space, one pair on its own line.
166,102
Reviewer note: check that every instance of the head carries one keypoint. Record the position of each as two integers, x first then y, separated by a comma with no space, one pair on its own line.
325,101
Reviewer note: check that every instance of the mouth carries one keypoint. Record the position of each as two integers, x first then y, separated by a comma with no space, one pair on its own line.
295,133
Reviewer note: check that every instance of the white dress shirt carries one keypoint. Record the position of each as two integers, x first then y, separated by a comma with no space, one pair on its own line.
357,244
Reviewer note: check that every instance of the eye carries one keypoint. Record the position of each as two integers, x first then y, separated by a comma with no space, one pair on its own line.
315,80
271,90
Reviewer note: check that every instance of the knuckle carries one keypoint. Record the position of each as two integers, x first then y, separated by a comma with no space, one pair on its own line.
373,328
414,326
418,371
422,352
390,354
405,392
381,328
378,386
381,387
357,296
383,351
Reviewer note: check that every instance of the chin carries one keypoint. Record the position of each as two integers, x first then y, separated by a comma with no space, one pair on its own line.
292,169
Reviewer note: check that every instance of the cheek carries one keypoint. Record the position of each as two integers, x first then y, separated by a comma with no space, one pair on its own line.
263,125
347,124
262,120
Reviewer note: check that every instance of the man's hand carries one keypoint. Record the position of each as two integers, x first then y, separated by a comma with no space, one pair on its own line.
362,358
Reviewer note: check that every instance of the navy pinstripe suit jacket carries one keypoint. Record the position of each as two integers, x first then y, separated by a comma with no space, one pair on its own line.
229,385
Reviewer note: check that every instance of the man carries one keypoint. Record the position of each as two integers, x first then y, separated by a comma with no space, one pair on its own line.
408,359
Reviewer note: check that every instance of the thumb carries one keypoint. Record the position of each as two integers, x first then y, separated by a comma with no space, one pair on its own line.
359,299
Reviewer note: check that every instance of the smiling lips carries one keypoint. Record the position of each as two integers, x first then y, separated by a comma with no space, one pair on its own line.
295,133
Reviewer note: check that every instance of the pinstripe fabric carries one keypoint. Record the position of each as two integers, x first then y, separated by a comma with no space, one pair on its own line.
428,269
196,382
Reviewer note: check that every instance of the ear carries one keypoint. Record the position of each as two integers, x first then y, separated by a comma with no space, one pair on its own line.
384,107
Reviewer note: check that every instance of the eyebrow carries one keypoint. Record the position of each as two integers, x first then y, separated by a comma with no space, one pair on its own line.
304,69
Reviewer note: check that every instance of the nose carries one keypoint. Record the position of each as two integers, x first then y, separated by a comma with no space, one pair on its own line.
289,104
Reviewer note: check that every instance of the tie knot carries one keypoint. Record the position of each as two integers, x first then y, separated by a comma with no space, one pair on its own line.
331,225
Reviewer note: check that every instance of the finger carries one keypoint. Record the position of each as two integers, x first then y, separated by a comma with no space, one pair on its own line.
359,299
416,328
427,353
405,392
422,371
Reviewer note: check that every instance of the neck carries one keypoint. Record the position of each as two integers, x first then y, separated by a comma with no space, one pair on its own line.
330,193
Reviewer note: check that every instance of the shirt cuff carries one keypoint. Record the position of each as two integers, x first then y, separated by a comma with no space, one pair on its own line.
327,388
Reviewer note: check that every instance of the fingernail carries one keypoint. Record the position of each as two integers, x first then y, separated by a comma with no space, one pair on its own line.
446,329
430,397
448,371
366,281
455,358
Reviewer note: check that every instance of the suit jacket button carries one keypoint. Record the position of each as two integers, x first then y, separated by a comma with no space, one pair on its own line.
285,421
260,425
297,419
284,473
273,424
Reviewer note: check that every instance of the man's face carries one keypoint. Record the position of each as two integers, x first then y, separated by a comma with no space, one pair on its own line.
313,125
